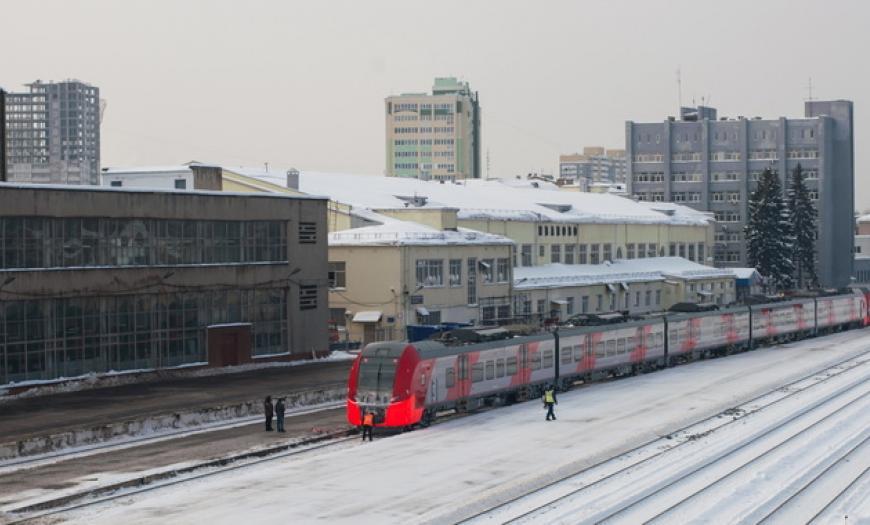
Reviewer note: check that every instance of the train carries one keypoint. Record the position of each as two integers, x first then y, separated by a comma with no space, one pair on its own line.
407,384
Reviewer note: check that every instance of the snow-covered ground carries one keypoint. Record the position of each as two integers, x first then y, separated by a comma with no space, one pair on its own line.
461,467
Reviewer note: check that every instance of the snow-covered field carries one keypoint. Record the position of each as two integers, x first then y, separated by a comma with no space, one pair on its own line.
461,467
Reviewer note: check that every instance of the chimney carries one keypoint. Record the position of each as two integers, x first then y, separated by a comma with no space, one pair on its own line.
293,179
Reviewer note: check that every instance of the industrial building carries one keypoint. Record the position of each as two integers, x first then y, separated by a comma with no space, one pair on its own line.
713,164
112,279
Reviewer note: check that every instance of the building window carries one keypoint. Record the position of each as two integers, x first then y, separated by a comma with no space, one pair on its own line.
584,304
569,309
594,255
116,183
180,184
555,253
526,255
641,251
487,270
503,270
569,253
308,297
42,242
629,249
608,252
658,297
307,233
648,298
542,307
541,250
455,272
471,280
581,254
672,249
599,302
337,274
430,272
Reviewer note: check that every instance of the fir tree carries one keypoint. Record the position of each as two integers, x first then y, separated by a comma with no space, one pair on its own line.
769,234
803,224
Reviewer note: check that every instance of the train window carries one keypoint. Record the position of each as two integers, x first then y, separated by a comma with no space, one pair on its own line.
477,372
499,368
451,377
611,348
578,352
631,343
650,340
599,349
490,370
463,367
547,359
566,355
674,337
536,361
620,346
660,340
511,366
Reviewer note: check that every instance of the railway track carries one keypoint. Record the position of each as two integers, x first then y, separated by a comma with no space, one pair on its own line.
685,490
88,450
812,493
533,505
34,514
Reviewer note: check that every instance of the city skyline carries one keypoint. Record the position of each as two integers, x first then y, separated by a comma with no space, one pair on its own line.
315,102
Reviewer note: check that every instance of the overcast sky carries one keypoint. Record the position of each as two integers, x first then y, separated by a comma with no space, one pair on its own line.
302,83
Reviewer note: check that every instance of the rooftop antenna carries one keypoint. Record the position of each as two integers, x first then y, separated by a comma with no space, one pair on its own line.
487,163
810,89
679,90
266,164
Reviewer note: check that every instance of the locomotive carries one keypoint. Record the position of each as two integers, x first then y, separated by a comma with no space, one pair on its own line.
406,384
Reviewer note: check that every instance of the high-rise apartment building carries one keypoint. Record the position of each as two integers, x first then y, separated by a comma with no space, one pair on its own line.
2,135
714,165
595,164
53,133
434,136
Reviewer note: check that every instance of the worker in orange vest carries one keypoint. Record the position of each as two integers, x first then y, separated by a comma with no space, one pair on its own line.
368,424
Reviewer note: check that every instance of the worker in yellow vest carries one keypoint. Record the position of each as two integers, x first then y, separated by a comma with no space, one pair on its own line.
368,424
550,401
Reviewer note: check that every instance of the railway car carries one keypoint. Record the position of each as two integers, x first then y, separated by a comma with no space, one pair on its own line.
406,384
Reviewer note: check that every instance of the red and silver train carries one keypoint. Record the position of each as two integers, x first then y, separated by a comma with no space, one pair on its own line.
405,384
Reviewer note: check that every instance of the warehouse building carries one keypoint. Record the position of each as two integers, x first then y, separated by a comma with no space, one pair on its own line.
102,279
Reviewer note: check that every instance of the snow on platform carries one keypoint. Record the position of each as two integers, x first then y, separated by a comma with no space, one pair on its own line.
459,467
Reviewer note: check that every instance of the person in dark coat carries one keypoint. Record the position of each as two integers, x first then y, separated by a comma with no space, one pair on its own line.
549,401
267,410
279,414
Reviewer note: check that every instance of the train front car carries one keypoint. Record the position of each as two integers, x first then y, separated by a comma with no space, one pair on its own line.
381,381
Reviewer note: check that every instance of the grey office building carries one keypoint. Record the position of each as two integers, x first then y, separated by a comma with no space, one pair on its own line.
713,165
53,133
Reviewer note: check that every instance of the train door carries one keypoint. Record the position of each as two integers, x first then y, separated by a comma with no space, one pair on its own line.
464,379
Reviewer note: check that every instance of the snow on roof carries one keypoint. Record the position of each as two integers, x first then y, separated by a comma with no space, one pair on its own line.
745,273
483,199
393,232
155,169
864,218
128,189
619,271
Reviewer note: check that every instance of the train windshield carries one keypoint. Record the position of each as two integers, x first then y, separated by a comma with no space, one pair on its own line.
376,374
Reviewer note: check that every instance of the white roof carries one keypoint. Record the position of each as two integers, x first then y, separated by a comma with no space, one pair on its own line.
617,272
864,218
392,232
482,199
138,170
745,273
